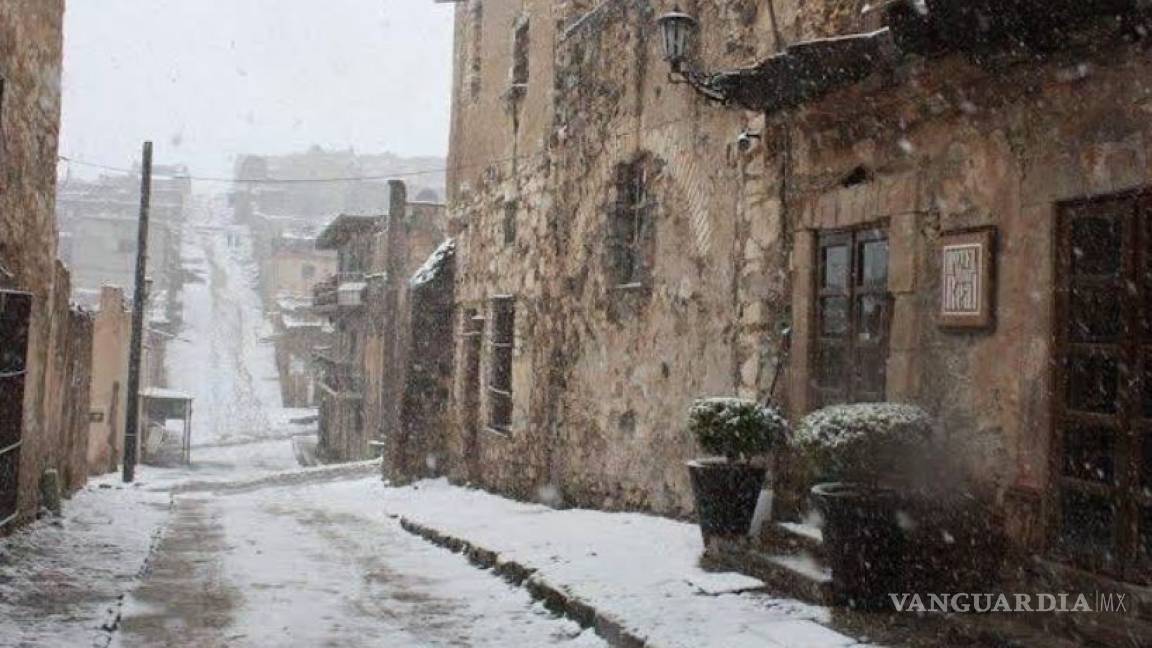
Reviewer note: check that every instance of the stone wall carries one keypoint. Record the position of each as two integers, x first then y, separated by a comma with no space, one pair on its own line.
603,373
411,232
30,63
974,146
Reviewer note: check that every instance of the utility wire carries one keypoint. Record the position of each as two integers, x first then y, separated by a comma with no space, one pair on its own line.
370,178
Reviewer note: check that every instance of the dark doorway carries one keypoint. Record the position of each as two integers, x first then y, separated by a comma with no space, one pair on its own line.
15,309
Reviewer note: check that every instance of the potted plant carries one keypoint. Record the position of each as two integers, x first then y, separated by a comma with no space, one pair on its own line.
868,449
727,485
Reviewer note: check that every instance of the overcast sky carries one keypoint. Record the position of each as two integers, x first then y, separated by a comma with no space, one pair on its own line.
210,79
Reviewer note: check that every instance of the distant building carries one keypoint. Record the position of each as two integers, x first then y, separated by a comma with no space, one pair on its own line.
289,270
367,302
341,299
283,185
99,221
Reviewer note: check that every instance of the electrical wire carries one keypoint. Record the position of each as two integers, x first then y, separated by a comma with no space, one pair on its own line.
371,178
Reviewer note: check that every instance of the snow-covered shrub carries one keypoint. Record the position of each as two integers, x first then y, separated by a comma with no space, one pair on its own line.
864,441
736,428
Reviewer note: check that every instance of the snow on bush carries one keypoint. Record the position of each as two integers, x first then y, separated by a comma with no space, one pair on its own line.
861,440
736,428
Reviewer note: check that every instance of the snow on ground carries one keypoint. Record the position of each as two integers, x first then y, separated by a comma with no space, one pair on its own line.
223,356
642,570
60,580
319,564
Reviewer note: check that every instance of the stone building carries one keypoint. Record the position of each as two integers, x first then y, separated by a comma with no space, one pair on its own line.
341,299
98,221
44,343
368,303
942,207
290,267
617,258
398,316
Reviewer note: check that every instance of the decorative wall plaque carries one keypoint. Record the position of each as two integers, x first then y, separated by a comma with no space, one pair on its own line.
967,279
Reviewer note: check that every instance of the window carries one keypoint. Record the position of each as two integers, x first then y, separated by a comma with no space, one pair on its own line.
476,55
509,222
500,379
629,225
308,271
3,142
852,315
520,54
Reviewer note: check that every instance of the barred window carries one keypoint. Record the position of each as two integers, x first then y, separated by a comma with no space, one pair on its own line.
500,379
520,53
630,223
475,66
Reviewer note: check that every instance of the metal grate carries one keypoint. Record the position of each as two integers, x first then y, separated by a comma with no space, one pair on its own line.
15,309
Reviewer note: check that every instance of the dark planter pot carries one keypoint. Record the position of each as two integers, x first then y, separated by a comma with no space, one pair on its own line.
863,543
726,495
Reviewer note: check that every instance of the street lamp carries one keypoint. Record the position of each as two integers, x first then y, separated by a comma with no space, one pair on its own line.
678,28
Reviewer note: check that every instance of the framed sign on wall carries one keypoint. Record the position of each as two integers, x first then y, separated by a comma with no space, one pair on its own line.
967,278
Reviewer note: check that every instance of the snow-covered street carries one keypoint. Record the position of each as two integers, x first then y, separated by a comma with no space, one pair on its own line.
319,564
244,547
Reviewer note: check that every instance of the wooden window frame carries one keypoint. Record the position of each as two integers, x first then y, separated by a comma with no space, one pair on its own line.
852,385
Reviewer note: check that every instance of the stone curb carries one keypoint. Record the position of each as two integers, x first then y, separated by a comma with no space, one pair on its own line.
554,598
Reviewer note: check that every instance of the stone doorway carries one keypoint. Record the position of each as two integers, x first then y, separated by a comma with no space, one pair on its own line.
1102,442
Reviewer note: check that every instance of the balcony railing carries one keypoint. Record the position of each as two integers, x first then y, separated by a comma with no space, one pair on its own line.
342,290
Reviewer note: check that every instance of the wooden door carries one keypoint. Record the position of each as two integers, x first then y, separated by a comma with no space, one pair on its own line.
1102,451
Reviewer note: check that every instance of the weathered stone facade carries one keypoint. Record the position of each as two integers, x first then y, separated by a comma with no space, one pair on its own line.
726,260
30,65
604,366
405,238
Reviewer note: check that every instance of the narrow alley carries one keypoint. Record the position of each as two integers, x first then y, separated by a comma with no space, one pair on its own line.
255,554
576,323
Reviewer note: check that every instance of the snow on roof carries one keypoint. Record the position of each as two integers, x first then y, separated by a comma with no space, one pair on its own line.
434,264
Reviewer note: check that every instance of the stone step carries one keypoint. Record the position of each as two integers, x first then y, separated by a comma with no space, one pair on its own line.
793,538
796,573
